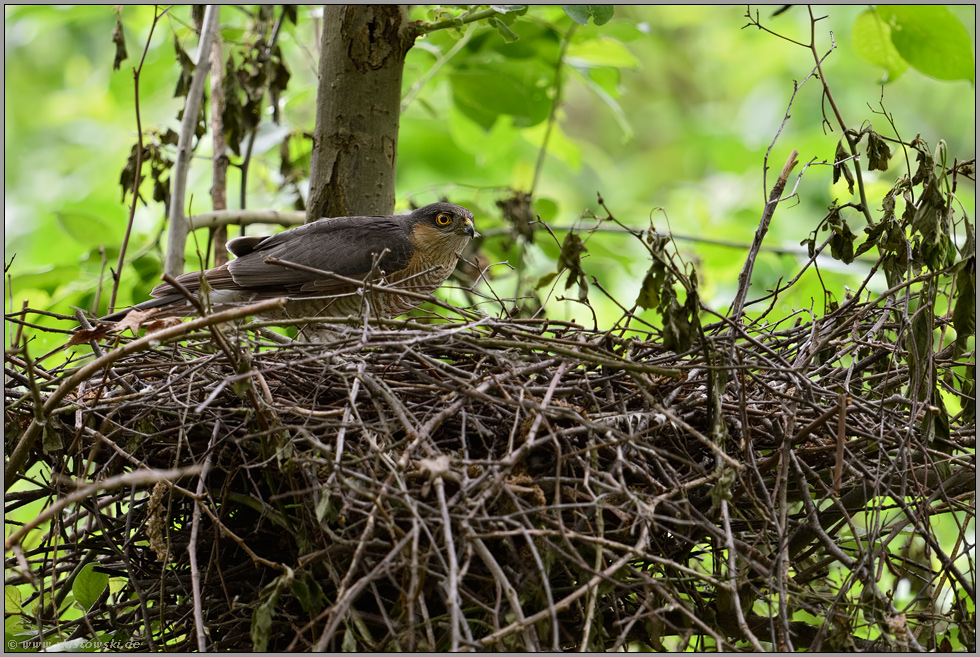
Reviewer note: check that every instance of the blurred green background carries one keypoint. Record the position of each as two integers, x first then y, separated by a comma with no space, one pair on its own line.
667,112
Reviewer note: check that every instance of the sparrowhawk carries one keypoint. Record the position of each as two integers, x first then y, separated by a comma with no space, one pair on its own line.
414,252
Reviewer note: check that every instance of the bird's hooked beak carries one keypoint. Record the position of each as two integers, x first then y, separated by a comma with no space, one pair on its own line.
469,229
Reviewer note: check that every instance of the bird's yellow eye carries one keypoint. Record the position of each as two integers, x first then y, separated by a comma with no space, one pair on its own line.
444,219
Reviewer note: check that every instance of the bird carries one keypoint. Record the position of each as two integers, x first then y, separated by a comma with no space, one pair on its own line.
332,256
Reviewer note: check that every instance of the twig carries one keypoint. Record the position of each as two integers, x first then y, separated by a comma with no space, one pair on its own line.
247,158
745,276
471,16
219,157
138,178
567,601
192,545
178,229
435,68
245,217
555,102
851,140
135,478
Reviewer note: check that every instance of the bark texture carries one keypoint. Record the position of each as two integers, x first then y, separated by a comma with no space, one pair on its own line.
355,143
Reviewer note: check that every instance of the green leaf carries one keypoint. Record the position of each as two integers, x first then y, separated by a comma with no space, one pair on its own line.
600,14
841,167
483,92
570,260
51,433
969,247
12,600
932,39
572,249
871,39
618,113
649,296
842,242
349,642
546,280
545,209
88,586
928,218
148,267
608,79
86,229
523,40
186,69
964,310
602,51
520,10
310,597
508,34
262,616
680,321
922,341
968,397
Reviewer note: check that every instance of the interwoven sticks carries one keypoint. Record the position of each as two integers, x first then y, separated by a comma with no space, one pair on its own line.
494,484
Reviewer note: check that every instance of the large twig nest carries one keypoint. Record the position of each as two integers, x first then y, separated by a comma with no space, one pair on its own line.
493,484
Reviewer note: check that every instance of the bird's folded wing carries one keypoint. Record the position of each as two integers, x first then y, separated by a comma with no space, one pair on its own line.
347,246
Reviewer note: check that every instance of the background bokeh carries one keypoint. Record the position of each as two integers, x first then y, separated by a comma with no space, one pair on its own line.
667,112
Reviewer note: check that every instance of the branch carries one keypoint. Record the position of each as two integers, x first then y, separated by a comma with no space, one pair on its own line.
566,602
554,106
219,157
745,277
427,28
177,233
851,142
134,478
137,179
244,217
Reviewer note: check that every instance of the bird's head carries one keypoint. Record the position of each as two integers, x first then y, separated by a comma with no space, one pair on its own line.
447,218
442,228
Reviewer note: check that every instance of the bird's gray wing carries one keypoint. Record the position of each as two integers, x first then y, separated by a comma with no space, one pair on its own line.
347,246
240,246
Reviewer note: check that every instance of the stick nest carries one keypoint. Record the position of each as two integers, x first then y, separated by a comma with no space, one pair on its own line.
498,484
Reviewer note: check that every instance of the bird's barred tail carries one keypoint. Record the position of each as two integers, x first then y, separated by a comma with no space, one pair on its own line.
160,302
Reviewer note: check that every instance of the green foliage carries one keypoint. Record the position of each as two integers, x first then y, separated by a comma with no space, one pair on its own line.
871,39
570,261
930,38
262,618
658,291
645,117
600,14
89,586
492,87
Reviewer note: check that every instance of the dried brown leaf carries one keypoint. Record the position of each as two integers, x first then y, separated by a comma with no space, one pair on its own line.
87,335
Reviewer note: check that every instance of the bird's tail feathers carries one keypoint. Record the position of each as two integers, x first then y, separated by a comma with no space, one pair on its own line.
176,310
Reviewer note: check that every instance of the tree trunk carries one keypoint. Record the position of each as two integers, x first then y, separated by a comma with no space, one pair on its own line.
355,140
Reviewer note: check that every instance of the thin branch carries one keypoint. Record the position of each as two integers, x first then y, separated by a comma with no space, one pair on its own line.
178,229
555,102
745,276
138,178
471,16
219,161
126,480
